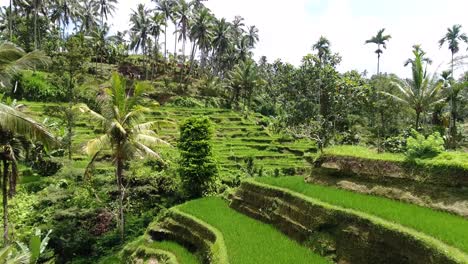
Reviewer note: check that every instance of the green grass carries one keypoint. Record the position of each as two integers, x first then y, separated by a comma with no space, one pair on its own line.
237,138
448,228
447,159
362,152
181,253
248,240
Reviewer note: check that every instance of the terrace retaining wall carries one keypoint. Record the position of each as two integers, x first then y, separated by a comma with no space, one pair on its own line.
375,169
195,235
343,236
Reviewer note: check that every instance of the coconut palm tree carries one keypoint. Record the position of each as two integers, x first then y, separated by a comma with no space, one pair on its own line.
175,18
453,37
140,24
420,93
165,7
243,80
381,41
13,60
323,49
253,36
64,12
183,13
88,11
201,32
105,8
125,132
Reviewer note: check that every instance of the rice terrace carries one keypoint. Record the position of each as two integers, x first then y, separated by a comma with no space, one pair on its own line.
234,132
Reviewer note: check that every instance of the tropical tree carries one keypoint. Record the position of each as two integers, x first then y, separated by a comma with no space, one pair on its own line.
165,7
253,35
322,46
105,8
125,132
420,93
244,79
453,37
88,11
139,28
381,41
183,13
201,32
13,60
64,12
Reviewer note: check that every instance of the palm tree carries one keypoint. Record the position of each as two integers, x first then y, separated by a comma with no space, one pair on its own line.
201,32
253,35
165,7
64,12
156,28
13,60
244,79
175,18
140,27
421,93
323,49
221,37
36,5
453,38
380,39
183,12
106,7
125,133
88,12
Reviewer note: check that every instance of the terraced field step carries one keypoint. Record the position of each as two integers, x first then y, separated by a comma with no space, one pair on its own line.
446,234
248,240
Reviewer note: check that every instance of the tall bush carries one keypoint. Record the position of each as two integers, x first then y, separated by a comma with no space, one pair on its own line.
419,146
198,169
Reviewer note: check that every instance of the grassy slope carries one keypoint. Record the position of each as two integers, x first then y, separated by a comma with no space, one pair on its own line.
237,138
457,159
181,253
248,240
451,229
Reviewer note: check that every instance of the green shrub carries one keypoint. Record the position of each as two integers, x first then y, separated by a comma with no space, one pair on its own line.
418,146
198,168
186,102
35,86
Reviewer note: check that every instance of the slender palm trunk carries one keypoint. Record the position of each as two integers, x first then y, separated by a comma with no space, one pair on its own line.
119,178
5,200
418,116
453,114
378,64
11,21
192,57
165,40
13,178
175,46
183,49
35,27
70,115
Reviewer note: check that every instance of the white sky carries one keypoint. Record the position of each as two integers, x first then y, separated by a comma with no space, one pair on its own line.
288,29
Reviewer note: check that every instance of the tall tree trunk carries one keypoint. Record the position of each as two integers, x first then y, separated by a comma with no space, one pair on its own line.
165,41
418,116
192,57
35,28
175,46
13,178
69,115
183,49
119,178
11,21
378,64
5,200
